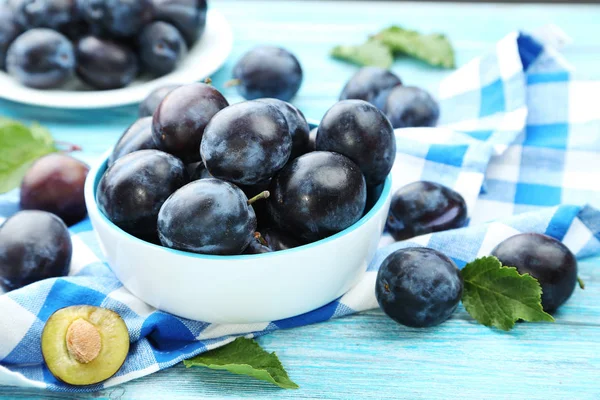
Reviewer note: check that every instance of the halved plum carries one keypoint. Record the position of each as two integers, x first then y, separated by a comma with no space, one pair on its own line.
84,345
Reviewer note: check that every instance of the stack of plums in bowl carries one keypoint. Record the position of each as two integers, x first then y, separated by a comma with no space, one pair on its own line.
105,43
208,186
207,177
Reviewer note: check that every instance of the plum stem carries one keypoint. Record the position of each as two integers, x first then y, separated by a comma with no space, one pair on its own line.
232,83
67,147
261,195
581,283
260,239
208,81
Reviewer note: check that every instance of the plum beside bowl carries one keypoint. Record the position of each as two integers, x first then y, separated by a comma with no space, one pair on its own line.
244,288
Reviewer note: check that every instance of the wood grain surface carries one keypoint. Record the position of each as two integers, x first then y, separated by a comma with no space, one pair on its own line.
367,355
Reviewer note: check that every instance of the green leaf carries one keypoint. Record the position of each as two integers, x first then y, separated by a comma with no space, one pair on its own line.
434,49
499,296
19,147
245,357
370,53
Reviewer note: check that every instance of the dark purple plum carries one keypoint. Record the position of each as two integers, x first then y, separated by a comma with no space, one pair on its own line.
317,195
137,137
418,287
408,107
181,118
53,14
208,216
188,16
161,48
104,64
268,71
296,123
312,139
547,260
423,207
55,183
9,30
371,84
151,102
41,58
133,189
34,245
246,143
116,18
361,132
277,240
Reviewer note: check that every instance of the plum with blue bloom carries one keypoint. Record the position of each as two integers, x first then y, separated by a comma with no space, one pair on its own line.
361,132
105,64
268,71
317,195
41,58
138,136
207,216
371,84
161,48
418,287
246,143
180,120
408,106
423,207
151,102
134,188
34,245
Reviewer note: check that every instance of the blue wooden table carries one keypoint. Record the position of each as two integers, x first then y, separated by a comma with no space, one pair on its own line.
368,355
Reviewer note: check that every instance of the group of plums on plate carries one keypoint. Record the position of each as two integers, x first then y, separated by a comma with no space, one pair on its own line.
105,43
197,174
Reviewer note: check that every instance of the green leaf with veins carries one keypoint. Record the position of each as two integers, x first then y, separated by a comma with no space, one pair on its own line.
245,357
434,49
498,296
370,53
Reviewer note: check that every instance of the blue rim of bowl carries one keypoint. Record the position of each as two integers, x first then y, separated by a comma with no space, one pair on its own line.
99,170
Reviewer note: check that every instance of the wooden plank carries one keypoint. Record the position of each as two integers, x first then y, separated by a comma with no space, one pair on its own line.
368,355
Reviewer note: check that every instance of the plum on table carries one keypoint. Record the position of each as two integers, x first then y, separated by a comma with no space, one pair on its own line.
161,48
105,64
424,207
246,143
547,260
361,132
133,189
418,287
268,71
207,216
181,118
34,245
317,195
408,106
41,58
55,183
371,84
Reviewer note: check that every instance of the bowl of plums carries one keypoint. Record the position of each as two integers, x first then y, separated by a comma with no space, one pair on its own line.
105,53
235,213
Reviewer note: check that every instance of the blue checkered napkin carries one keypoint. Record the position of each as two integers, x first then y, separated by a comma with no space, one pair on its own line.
456,159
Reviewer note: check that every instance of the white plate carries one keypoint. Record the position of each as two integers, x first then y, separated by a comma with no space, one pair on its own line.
205,58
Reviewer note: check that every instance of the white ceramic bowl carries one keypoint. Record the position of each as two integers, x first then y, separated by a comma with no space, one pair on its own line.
202,60
245,288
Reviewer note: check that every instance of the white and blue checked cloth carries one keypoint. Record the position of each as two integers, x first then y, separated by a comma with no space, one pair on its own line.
522,144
